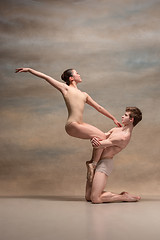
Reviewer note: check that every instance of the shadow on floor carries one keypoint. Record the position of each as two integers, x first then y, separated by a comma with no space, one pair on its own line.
73,198
51,198
150,198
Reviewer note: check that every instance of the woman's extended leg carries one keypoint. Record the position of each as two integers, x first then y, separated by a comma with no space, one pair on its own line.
87,131
84,131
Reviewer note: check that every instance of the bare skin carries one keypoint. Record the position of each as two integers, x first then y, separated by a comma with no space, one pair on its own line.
95,191
75,101
117,140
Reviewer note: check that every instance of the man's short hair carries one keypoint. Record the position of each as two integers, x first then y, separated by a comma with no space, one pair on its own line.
134,113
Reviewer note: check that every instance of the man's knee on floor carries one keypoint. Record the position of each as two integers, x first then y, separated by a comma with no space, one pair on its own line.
95,199
88,198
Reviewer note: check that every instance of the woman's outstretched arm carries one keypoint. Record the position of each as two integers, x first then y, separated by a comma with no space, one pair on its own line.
58,85
102,110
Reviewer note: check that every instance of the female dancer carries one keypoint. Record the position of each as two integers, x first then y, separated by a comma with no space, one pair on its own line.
75,101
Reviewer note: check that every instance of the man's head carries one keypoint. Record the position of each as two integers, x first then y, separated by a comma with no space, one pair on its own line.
135,114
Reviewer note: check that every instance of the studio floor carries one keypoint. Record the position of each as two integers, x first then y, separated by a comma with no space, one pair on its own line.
67,218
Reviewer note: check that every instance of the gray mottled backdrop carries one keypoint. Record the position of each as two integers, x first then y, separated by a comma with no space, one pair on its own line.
115,46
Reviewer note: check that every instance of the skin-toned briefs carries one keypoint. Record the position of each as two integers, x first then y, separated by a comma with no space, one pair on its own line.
105,166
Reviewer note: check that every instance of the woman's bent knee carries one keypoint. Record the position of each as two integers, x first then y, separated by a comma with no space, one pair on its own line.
99,135
103,136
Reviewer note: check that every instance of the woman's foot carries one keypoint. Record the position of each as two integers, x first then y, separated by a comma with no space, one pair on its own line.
90,171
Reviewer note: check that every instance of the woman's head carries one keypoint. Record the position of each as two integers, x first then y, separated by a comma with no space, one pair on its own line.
70,75
66,75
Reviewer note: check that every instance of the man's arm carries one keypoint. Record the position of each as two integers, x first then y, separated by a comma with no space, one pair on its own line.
113,141
102,144
96,143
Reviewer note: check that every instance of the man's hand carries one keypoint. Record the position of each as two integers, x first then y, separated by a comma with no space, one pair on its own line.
95,142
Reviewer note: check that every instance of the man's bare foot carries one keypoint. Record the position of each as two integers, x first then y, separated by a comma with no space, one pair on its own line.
90,171
130,198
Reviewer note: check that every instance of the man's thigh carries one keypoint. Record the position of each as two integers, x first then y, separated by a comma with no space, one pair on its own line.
99,183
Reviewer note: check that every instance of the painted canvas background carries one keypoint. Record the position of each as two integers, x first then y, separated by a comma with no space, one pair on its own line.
115,46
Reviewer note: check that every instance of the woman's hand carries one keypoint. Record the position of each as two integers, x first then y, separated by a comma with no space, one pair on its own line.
117,123
22,70
60,86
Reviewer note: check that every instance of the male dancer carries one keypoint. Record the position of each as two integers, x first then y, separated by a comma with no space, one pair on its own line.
116,140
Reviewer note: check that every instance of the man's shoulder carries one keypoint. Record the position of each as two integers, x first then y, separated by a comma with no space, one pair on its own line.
116,129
